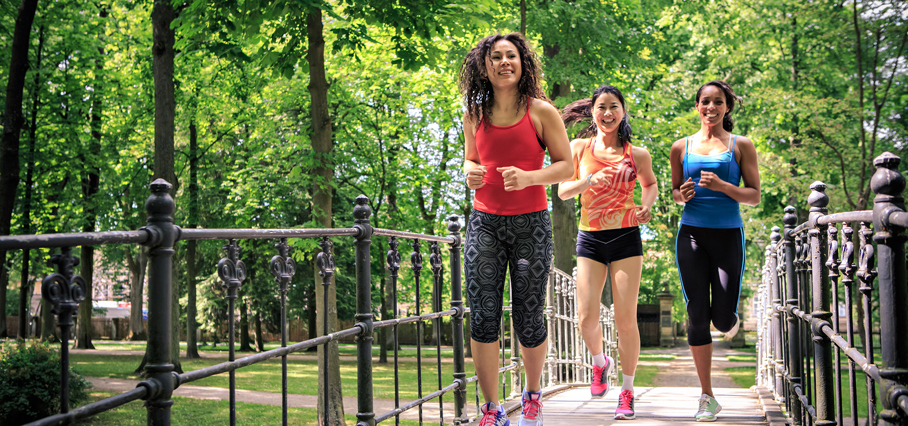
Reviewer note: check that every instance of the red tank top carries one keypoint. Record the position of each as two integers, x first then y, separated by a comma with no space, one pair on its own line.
515,145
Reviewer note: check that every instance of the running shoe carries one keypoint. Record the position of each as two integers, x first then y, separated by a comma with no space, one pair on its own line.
600,378
493,415
625,410
532,409
709,407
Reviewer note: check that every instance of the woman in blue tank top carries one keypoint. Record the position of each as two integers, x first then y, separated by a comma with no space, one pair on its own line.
707,170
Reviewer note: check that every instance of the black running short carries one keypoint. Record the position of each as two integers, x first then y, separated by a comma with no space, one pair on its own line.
610,245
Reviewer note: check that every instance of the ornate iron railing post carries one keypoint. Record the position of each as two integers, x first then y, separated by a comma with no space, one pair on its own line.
460,376
776,308
393,259
283,268
324,261
232,272
847,269
361,213
162,234
791,302
435,263
867,273
888,185
551,358
416,266
64,291
820,300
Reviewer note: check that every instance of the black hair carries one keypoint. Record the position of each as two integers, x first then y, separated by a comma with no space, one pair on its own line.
474,83
728,123
582,110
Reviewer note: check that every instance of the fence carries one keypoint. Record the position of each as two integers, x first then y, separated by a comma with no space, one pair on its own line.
801,345
566,361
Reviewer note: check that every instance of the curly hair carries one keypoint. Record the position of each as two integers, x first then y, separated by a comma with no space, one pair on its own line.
728,123
582,110
474,83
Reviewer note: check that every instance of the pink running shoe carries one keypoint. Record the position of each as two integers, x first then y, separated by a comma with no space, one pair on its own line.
625,410
493,415
600,378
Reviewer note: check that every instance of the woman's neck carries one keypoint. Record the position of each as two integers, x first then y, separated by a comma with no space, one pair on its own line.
506,101
608,140
717,132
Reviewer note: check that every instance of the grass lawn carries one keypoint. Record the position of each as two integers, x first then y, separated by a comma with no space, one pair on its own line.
742,358
302,375
656,357
428,351
744,377
199,412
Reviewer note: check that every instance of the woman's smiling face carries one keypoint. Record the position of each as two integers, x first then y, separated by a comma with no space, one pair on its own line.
503,64
607,112
712,106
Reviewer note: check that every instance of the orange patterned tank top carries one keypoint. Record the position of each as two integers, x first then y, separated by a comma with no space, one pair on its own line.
609,205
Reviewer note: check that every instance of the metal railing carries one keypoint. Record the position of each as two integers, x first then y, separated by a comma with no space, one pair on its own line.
801,344
568,363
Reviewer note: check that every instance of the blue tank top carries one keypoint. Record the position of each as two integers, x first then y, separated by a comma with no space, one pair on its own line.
708,208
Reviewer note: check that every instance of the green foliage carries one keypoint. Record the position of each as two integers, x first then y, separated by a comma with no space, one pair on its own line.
30,382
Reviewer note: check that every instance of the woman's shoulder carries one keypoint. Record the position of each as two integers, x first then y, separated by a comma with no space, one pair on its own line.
542,106
679,144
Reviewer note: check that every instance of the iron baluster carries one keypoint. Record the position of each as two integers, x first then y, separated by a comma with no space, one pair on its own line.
887,183
832,264
393,259
64,291
550,318
866,274
847,268
820,300
361,213
791,302
776,304
283,268
416,266
460,394
435,262
232,272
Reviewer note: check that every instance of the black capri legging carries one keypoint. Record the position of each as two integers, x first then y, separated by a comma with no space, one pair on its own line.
711,263
521,244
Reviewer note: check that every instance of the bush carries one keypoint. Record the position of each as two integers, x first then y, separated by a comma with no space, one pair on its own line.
30,382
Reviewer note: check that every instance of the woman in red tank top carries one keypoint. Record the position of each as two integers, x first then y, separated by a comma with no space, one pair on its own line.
508,126
606,170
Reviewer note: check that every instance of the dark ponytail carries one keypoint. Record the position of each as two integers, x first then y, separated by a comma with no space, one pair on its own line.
582,110
728,123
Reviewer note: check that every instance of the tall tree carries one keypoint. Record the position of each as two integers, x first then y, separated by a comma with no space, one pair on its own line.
162,16
25,289
13,120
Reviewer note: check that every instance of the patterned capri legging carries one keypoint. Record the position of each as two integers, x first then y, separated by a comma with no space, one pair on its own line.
522,244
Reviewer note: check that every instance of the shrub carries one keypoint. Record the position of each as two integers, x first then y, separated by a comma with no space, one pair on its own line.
30,382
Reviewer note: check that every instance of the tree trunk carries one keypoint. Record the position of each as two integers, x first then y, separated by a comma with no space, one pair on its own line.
244,326
91,183
12,125
259,339
136,267
25,288
83,328
321,200
192,350
162,54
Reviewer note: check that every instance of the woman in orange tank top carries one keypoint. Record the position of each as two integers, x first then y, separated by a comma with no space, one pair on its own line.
606,169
